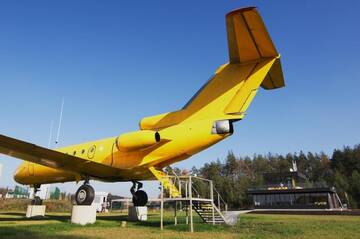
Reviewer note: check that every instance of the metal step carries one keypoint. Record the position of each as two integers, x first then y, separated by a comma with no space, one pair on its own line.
205,210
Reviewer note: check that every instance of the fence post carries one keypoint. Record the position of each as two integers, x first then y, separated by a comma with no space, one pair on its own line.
212,201
191,207
219,204
175,216
162,207
180,195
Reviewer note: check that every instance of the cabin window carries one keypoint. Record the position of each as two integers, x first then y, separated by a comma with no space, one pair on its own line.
83,151
74,153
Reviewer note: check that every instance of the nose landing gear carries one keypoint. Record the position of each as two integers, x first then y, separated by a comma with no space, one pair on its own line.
140,197
85,194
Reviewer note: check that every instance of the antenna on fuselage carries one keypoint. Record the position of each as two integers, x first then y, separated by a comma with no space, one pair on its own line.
50,133
59,127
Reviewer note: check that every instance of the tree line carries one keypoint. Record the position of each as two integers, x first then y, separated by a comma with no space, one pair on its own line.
234,175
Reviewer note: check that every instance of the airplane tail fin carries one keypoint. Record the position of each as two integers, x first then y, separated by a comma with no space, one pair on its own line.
253,62
248,40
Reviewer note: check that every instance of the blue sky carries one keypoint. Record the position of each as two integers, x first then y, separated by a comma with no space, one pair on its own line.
116,62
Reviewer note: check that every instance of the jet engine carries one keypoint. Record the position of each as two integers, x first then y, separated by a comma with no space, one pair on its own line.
222,127
137,140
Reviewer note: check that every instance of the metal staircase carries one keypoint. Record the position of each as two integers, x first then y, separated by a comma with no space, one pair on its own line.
195,193
208,212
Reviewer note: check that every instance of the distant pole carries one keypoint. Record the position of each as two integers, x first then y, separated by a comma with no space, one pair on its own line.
59,127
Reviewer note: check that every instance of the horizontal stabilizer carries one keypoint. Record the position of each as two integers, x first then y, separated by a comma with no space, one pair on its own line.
248,88
275,77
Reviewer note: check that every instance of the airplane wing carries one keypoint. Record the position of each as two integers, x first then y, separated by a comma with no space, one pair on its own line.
248,40
51,158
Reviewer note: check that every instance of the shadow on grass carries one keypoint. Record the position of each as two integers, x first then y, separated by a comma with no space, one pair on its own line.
103,220
29,232
21,217
183,227
112,217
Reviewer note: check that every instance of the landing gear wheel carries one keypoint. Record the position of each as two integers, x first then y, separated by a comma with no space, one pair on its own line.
36,201
140,198
85,195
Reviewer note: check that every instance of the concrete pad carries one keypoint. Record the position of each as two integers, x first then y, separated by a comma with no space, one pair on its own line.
137,214
35,211
83,214
232,217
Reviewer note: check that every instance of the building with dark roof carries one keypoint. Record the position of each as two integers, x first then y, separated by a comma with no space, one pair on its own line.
285,191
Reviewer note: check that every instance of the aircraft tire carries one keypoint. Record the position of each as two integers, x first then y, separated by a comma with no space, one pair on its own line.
85,195
36,201
140,198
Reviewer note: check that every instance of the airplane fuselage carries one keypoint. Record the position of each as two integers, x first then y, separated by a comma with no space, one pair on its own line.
177,143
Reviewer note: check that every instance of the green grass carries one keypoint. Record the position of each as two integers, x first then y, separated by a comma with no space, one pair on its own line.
57,225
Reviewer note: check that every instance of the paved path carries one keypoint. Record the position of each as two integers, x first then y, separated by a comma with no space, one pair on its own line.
231,217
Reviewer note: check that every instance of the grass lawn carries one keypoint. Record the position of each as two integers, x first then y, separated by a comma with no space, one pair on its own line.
57,225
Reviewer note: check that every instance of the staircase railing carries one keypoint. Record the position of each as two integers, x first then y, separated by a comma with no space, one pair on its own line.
220,202
199,195
200,188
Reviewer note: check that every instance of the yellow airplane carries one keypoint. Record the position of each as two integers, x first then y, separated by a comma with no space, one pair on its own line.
165,138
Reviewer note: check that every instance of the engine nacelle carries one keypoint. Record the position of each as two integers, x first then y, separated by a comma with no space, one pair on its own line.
137,140
151,122
222,127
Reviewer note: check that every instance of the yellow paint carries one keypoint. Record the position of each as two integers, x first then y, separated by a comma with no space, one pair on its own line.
166,181
137,140
140,155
